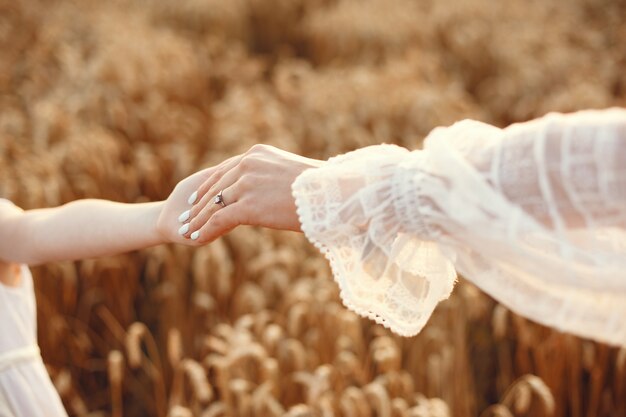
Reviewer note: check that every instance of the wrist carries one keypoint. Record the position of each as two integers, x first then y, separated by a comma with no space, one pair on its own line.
152,217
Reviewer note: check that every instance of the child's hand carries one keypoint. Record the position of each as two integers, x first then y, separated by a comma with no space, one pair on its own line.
168,222
256,190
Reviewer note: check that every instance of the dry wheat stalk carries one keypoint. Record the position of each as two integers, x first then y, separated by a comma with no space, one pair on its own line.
116,377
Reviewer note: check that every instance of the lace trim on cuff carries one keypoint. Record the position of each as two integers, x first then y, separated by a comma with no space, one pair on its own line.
383,273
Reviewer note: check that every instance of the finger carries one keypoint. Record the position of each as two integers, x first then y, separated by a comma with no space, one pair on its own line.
197,180
227,180
221,222
202,196
193,182
203,175
218,173
195,223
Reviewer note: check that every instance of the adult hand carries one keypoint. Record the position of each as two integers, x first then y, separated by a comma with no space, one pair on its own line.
255,189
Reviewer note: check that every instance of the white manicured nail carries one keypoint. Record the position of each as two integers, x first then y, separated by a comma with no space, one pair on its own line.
195,235
193,197
183,217
183,229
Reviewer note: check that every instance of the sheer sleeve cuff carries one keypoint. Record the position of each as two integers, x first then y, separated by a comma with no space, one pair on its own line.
356,211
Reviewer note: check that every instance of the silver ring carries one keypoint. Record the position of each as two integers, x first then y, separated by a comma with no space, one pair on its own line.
219,199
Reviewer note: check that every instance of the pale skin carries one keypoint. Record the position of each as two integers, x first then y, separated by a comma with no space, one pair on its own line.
256,190
89,229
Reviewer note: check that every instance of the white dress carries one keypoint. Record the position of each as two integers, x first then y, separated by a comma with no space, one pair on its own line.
534,214
25,387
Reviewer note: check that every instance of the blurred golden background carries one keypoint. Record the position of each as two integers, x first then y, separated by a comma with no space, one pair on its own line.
122,99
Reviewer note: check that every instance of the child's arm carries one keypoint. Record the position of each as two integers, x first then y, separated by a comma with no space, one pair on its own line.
91,228
81,229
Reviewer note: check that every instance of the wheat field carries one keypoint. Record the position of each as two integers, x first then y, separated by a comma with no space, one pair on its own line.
122,99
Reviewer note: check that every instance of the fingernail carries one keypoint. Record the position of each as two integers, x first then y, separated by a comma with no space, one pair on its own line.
195,235
193,197
183,217
184,229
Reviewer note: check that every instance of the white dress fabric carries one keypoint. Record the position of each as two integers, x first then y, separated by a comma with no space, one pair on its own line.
25,387
534,215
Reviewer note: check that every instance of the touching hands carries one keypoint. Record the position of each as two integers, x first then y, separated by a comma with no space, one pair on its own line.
167,222
255,189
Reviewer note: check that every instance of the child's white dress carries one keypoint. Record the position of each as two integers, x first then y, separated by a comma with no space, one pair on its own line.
25,386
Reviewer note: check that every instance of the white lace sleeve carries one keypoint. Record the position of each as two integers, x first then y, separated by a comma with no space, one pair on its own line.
534,214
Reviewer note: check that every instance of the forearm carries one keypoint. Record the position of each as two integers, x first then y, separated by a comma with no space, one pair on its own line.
498,205
81,229
567,171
